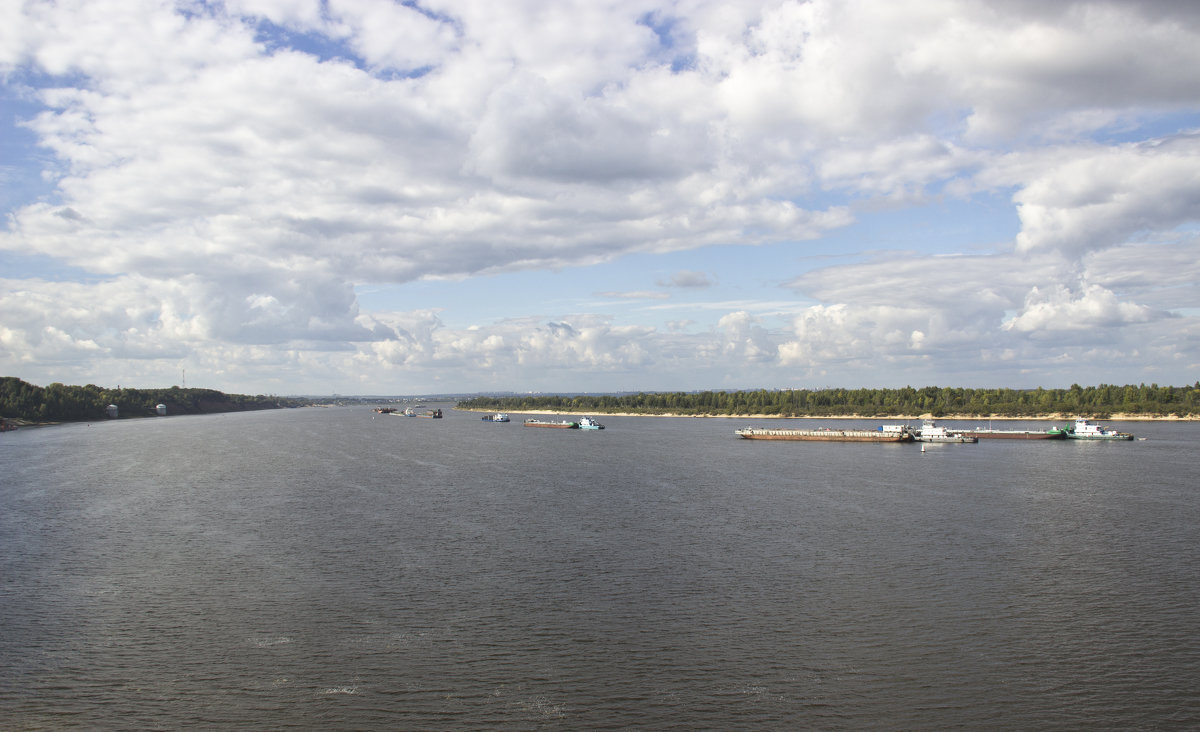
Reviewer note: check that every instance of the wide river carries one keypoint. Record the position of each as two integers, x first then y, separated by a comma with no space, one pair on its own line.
336,569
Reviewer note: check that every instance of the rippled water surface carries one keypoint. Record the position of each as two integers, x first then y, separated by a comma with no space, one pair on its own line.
337,569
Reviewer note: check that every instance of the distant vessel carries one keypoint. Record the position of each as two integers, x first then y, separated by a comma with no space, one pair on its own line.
497,417
932,432
587,423
554,425
1085,430
885,433
385,410
1054,433
410,412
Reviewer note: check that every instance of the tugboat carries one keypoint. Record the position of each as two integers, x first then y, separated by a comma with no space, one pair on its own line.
497,417
1085,430
587,423
931,432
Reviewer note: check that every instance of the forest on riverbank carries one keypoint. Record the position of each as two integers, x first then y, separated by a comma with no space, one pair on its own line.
20,400
1099,402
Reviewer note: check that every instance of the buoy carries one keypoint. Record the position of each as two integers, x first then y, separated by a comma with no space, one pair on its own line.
922,448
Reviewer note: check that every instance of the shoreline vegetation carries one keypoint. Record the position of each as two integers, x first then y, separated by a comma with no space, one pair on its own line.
952,417
1124,403
23,404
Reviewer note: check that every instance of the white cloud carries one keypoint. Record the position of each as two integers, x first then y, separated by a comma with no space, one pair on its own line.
744,339
896,168
228,173
1103,196
841,333
1160,275
1062,310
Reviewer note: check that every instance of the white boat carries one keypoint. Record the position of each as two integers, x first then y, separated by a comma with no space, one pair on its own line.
497,417
931,432
587,423
1085,430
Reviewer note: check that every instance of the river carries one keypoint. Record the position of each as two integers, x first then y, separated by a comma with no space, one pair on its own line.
340,569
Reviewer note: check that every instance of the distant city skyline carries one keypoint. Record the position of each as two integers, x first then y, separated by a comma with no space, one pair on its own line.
307,197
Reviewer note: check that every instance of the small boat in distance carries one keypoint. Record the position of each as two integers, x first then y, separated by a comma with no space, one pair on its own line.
1085,430
431,413
564,425
932,432
587,423
497,417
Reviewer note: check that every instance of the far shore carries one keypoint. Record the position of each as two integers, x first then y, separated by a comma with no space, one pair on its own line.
1117,417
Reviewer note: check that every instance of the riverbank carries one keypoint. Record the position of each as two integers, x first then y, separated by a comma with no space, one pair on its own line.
1056,417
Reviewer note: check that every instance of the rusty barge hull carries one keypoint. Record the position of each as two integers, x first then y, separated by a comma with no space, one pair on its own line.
824,435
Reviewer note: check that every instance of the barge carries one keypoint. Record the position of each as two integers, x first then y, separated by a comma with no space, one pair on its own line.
564,425
1054,433
885,433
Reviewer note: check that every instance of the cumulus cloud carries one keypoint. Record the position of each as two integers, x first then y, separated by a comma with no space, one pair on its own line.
1062,310
840,333
226,174
1100,197
952,314
744,338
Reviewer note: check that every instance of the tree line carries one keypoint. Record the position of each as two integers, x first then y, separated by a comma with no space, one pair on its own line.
1090,401
60,403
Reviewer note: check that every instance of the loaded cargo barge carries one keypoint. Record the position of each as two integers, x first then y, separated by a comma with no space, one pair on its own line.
563,425
1051,434
886,433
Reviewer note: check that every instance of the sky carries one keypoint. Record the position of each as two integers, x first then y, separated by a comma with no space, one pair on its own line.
456,196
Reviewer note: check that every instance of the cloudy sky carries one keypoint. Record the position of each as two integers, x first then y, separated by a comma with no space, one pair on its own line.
381,197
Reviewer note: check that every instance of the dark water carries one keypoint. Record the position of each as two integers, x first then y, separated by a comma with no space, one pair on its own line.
334,569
